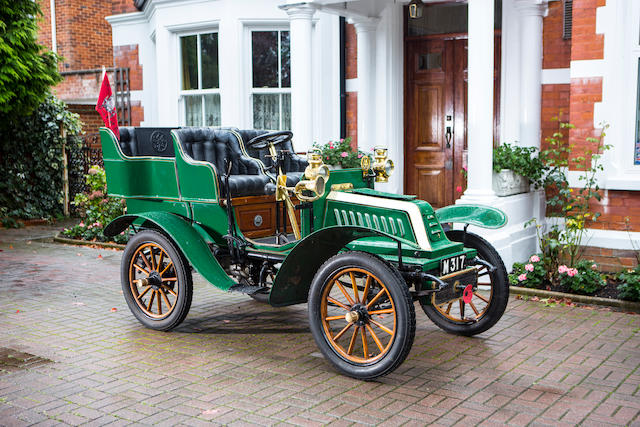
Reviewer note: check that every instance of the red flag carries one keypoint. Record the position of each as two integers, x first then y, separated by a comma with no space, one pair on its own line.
106,107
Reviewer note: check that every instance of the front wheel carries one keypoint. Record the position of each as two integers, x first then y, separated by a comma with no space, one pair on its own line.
156,281
361,315
488,302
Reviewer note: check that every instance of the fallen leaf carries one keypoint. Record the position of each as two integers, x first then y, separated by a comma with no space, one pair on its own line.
518,296
209,412
535,299
79,254
10,246
114,309
99,256
78,303
17,311
226,321
28,242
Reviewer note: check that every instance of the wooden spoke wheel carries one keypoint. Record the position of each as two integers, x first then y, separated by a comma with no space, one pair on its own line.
361,315
155,281
486,302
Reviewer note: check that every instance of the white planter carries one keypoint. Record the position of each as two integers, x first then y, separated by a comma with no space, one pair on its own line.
507,183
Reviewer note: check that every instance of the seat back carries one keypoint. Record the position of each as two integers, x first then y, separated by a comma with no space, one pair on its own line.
214,146
293,163
146,141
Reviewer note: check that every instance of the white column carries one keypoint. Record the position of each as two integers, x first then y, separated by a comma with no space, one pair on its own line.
531,13
365,34
480,102
301,88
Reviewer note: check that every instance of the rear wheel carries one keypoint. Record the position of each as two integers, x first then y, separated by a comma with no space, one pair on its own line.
361,315
487,302
156,282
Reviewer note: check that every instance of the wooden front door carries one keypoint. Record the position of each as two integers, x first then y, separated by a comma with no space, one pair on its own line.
435,119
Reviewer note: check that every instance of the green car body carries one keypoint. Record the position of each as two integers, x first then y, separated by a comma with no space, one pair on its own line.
180,197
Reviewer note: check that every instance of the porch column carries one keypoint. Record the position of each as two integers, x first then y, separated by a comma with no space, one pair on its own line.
480,102
531,14
366,44
301,89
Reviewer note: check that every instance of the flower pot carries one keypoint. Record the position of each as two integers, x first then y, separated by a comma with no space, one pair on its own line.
507,183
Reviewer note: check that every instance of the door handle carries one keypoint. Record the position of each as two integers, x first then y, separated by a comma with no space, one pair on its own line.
448,124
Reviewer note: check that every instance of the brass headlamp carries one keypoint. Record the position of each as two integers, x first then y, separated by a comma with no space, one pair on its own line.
382,166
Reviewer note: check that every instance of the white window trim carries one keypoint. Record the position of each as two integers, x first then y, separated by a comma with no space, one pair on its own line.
249,27
620,23
181,92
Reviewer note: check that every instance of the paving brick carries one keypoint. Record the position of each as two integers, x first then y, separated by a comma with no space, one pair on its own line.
537,366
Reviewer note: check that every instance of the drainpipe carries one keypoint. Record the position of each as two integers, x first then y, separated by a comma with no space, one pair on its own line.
343,79
54,42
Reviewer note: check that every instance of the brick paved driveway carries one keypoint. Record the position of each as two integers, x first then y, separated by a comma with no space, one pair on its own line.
66,357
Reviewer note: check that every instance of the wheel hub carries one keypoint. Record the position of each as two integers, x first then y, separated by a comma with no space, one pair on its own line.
358,315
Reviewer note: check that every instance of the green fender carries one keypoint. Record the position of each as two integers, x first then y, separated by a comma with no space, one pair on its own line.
482,216
292,283
192,245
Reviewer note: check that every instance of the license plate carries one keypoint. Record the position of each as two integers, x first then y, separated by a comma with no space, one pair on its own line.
452,265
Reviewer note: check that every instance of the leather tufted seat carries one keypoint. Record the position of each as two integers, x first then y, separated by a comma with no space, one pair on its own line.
293,166
146,141
216,145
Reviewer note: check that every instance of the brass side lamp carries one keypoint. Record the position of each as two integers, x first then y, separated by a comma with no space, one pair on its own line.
317,175
382,167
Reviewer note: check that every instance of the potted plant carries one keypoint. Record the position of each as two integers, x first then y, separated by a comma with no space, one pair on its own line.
339,154
515,169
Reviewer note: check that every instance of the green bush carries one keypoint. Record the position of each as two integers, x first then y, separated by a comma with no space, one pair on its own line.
630,288
530,275
96,209
31,161
521,160
583,279
340,153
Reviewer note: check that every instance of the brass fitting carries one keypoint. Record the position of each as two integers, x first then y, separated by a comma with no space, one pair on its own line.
382,166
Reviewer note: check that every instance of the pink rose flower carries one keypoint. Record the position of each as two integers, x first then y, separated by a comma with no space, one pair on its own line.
343,154
594,266
528,267
331,145
534,258
522,277
562,269
572,272
81,224
360,155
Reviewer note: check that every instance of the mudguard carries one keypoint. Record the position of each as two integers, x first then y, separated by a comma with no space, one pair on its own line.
292,283
192,245
481,216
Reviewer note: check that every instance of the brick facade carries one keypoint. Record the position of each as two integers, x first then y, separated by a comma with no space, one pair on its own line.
351,47
352,118
84,41
556,51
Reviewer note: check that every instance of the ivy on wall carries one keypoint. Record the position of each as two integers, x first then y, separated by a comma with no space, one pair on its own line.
31,168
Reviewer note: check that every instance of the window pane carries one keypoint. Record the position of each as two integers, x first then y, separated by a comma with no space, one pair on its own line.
189,53
266,111
193,110
212,110
286,111
209,60
285,60
264,58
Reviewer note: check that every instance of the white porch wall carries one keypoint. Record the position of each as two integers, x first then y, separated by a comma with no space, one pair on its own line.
156,31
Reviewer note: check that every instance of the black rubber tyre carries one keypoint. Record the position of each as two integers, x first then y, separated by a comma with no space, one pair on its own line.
151,256
376,317
490,308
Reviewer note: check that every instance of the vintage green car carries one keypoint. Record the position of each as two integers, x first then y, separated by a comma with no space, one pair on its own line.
250,215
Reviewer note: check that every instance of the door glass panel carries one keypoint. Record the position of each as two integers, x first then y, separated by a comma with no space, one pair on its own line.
209,59
189,50
193,110
430,61
264,55
212,110
446,18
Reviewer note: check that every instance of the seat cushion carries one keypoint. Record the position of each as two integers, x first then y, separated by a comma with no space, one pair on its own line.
146,141
293,162
248,185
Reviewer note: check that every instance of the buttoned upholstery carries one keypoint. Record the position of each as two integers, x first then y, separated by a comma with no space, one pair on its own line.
216,145
146,141
294,165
